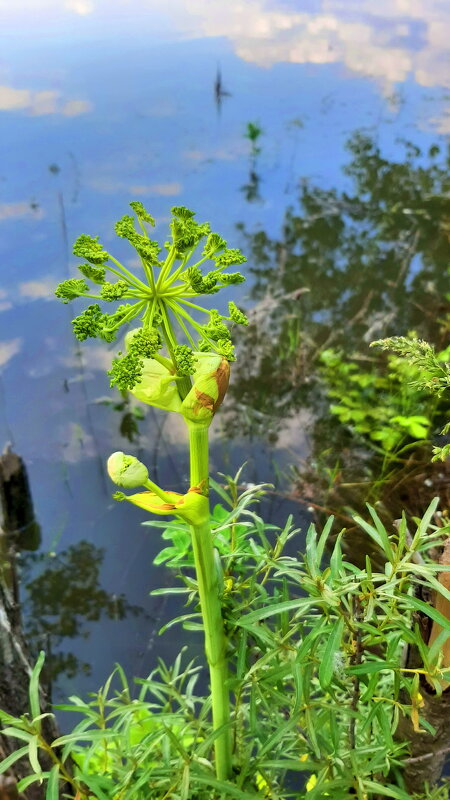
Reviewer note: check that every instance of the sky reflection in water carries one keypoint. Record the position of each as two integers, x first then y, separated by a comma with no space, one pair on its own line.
101,103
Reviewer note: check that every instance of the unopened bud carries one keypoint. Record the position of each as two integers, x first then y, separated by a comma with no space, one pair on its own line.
126,471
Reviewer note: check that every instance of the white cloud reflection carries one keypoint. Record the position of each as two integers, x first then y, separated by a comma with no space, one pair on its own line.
40,289
40,103
110,185
390,40
82,7
8,349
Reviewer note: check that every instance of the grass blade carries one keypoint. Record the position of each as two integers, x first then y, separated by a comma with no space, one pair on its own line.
33,691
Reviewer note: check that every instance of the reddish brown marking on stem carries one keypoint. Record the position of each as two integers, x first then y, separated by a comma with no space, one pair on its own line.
203,401
222,378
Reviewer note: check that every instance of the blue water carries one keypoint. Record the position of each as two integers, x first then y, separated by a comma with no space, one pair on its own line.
102,103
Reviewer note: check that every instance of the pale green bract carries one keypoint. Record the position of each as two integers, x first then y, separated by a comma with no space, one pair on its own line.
158,387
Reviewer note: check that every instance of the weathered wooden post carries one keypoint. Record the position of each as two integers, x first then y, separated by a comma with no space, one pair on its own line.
18,529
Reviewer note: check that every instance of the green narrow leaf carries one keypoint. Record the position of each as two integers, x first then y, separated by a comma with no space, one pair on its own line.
276,608
311,551
253,712
370,716
326,667
33,691
284,617
386,791
184,788
16,733
288,763
369,667
437,645
33,755
29,780
425,522
93,783
220,491
336,558
430,612
226,789
242,654
310,727
52,792
323,539
402,531
377,533
297,675
11,759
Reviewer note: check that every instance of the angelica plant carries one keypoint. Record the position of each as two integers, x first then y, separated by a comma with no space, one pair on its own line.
175,361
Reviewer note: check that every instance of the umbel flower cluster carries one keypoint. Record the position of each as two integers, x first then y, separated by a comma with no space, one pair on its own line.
161,297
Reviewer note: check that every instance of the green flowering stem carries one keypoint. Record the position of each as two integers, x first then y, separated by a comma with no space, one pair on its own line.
158,491
133,312
121,275
165,270
132,278
165,362
209,592
181,312
193,305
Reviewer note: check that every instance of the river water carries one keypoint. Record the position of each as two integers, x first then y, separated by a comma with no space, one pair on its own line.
105,102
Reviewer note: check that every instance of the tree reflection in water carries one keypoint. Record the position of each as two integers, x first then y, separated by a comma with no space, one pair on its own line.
63,598
350,266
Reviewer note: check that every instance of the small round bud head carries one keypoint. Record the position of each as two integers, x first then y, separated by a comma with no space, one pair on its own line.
126,471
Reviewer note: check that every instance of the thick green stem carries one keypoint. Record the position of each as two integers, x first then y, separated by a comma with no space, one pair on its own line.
209,592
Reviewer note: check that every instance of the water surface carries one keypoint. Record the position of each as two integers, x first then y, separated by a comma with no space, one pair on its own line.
102,103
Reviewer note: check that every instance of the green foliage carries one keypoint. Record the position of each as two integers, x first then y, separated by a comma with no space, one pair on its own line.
144,246
382,404
434,375
186,232
253,133
316,650
348,265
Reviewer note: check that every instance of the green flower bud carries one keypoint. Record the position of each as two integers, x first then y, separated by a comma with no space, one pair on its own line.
126,471
210,384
